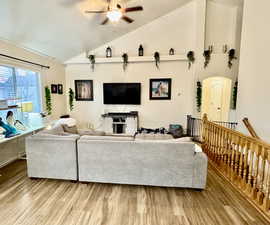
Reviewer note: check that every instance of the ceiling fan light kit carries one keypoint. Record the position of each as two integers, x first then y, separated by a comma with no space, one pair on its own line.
114,15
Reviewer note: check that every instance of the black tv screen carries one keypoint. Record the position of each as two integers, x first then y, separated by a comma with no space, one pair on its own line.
122,93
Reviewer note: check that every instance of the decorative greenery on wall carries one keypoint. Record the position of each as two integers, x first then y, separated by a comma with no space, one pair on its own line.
157,59
125,61
71,96
191,58
231,56
48,100
235,92
199,96
207,57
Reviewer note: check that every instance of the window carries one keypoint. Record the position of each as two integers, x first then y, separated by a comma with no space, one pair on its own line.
22,84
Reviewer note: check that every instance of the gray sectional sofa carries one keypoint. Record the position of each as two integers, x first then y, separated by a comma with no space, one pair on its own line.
121,160
155,163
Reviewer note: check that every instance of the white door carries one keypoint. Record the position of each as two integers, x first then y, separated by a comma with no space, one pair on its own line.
216,98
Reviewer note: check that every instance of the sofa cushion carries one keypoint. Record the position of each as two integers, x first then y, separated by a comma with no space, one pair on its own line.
107,138
68,121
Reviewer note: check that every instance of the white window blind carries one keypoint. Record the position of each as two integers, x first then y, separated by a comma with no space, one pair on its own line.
7,84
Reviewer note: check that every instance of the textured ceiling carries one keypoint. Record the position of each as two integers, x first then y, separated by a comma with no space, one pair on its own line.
59,28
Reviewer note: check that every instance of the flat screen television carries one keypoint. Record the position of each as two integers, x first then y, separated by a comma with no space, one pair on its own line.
122,93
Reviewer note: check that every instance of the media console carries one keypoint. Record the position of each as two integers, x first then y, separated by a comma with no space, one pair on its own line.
119,123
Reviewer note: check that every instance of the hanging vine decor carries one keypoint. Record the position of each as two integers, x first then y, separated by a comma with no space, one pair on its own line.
207,57
231,56
191,58
92,60
235,92
48,100
125,61
157,59
199,96
71,97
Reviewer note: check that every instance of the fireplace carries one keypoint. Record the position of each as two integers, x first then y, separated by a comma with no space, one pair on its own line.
120,123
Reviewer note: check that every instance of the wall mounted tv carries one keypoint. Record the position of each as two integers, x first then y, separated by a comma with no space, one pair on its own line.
122,93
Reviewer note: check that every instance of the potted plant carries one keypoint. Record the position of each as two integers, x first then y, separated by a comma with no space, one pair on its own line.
71,97
207,57
157,59
199,96
235,92
48,100
191,58
125,61
92,60
231,56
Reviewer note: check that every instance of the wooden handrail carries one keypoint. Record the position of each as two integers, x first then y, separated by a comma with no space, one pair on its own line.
250,128
243,160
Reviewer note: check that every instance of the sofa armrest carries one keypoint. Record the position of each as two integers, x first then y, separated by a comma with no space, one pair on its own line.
52,156
200,170
51,137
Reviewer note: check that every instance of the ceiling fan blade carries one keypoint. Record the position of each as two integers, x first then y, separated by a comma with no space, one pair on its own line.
98,11
127,19
105,21
133,9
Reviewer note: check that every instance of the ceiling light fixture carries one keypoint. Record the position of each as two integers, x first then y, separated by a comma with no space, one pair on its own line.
114,15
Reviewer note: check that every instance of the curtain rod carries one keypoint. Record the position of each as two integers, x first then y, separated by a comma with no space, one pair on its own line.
22,60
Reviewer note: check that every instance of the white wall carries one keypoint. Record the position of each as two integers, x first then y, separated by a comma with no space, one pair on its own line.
223,25
55,75
183,29
175,30
254,76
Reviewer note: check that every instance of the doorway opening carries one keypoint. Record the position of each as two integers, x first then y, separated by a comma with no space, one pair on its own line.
216,98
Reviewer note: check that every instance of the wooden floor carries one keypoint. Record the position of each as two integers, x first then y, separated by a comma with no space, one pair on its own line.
53,202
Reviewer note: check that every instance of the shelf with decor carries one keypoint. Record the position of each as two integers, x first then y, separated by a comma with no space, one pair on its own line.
131,59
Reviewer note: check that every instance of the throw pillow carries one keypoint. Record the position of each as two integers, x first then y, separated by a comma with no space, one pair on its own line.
71,130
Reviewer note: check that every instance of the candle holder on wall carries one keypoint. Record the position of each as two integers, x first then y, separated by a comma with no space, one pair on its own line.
108,52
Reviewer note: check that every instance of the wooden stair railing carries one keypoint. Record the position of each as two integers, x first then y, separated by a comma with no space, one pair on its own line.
243,160
250,128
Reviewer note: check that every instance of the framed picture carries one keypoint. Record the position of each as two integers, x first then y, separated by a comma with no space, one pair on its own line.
60,89
84,90
160,89
54,88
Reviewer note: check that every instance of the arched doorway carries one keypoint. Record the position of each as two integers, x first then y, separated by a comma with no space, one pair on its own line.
216,98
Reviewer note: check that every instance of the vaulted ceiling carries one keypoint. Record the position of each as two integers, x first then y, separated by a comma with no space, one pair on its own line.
61,29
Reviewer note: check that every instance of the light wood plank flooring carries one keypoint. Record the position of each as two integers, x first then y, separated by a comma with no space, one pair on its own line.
53,202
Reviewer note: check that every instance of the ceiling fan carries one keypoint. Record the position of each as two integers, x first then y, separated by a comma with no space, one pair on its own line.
115,13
